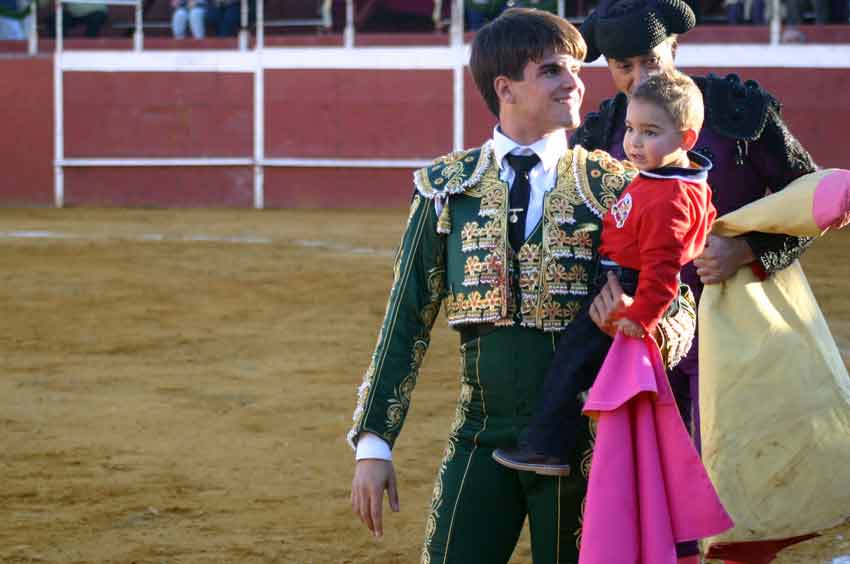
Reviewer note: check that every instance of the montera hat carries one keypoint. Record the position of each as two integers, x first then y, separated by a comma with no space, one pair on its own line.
620,29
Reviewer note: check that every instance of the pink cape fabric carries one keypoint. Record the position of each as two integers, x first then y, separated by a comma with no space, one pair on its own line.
648,488
831,202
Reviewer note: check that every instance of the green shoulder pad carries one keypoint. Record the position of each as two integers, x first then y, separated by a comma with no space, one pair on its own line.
453,173
601,179
604,163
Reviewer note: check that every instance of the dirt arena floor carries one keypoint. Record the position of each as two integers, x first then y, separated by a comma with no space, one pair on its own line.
177,386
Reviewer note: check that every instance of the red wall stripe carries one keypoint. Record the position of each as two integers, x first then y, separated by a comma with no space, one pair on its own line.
170,114
338,188
369,114
26,145
198,187
358,113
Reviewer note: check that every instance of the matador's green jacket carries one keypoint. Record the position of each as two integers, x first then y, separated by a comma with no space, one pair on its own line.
455,251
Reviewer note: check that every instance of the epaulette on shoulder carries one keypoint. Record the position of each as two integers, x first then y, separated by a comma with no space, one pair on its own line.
453,173
603,178
605,163
736,109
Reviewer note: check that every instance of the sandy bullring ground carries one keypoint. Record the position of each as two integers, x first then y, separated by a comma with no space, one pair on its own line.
177,385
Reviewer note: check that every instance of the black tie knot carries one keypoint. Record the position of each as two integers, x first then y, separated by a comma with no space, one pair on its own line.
519,197
522,164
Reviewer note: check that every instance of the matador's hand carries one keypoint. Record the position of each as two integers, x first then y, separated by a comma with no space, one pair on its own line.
371,478
608,303
629,328
722,258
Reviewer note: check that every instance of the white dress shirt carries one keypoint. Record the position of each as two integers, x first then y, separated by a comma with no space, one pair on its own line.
542,178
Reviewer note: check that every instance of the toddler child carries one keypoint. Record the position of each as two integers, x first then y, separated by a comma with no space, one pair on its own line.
659,224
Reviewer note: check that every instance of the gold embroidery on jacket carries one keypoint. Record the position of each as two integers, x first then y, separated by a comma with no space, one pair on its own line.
476,237
555,315
561,209
474,308
400,402
561,281
613,183
579,245
487,271
489,234
545,270
453,173
469,237
542,276
529,258
560,203
609,163
364,391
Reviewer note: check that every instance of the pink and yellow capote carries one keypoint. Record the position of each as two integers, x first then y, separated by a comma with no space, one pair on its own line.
774,390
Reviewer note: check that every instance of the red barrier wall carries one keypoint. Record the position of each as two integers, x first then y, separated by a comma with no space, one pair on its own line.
198,187
334,188
26,144
169,114
358,113
308,113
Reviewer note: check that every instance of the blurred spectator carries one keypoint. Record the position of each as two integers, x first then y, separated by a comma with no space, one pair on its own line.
224,16
743,11
825,11
734,11
90,16
191,14
11,26
831,11
479,12
548,5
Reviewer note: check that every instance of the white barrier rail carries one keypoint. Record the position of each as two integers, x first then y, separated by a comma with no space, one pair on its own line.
453,57
718,56
212,161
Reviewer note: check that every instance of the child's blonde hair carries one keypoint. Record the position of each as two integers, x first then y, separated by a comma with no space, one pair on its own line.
677,95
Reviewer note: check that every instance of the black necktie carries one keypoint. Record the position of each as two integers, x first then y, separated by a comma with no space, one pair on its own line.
520,195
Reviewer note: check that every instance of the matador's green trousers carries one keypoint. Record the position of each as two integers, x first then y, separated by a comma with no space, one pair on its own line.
479,507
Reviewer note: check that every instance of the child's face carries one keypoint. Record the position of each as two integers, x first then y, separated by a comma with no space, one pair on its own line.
652,139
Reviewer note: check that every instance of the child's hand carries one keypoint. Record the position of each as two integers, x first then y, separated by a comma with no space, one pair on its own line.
629,328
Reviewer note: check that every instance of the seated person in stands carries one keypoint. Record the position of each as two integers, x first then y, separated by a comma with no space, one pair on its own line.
479,12
90,16
224,16
191,14
10,20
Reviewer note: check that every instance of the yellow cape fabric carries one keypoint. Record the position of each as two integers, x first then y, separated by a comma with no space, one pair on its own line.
774,390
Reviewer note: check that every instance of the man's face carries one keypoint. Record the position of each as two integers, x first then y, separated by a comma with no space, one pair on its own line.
652,139
549,95
629,73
